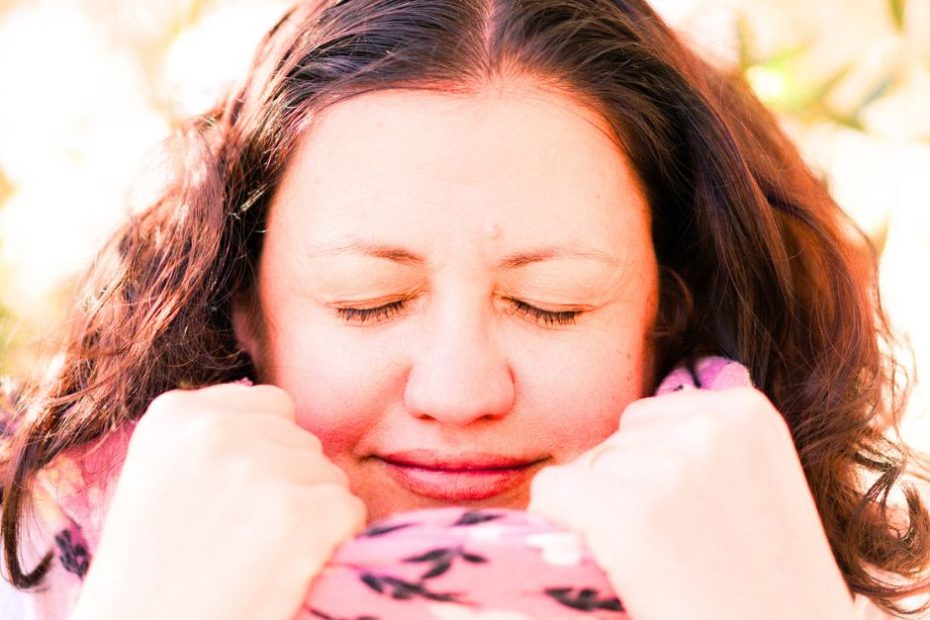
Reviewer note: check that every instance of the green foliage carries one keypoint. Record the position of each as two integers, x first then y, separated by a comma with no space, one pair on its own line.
897,13
782,81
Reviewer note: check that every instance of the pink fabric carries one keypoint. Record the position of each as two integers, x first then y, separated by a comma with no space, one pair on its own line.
505,565
710,373
455,563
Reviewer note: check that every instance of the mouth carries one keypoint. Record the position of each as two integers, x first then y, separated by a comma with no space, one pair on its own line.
459,478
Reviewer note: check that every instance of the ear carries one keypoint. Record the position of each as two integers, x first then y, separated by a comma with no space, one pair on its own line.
244,322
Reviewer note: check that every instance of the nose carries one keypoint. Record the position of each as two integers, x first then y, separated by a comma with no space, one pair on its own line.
458,373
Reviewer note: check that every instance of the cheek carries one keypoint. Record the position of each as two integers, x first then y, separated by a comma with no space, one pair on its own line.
577,396
339,391
569,392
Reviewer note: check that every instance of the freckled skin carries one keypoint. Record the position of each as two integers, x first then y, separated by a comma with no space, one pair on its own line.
457,365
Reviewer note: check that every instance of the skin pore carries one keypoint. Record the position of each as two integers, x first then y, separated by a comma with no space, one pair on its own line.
456,291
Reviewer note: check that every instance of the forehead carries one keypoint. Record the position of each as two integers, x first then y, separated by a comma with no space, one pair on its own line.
510,161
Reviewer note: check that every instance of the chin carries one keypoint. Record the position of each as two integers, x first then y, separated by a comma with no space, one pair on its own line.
396,501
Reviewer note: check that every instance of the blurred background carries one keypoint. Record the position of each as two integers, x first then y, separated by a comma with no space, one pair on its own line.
90,87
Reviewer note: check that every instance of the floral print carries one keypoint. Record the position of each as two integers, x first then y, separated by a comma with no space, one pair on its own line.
72,551
455,563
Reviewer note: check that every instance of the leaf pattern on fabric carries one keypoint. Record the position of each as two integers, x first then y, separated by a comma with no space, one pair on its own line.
475,517
584,599
72,552
461,563
442,560
319,614
402,590
381,530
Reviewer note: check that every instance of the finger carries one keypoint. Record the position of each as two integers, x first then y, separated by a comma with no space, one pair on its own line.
342,516
609,450
294,466
262,442
345,513
170,408
562,494
270,427
739,410
248,399
585,502
672,405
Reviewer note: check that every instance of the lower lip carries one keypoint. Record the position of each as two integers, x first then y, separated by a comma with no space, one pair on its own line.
460,485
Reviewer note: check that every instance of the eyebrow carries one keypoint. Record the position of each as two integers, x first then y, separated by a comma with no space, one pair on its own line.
516,260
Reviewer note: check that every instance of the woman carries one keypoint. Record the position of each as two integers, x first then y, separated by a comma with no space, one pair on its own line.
460,243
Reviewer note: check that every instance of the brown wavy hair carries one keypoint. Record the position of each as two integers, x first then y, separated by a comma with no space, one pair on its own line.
757,261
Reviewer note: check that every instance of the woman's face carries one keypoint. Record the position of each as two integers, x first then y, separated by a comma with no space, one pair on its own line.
456,290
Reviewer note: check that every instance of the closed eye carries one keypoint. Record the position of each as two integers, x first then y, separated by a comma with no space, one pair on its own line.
545,317
366,315
387,311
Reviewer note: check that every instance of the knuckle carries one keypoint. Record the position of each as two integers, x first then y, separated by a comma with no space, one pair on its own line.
547,481
321,471
776,425
328,495
204,435
637,409
355,512
165,404
753,411
282,504
340,510
273,397
705,432
337,476
244,471
748,398
160,420
313,443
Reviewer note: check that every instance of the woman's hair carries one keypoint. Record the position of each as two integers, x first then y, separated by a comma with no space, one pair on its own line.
757,262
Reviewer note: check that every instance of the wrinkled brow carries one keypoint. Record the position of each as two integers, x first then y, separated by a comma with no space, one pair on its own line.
516,260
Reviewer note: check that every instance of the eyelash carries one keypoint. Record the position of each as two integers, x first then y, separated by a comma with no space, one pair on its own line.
364,315
381,313
545,317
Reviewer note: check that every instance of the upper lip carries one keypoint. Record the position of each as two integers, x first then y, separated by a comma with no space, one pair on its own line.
429,459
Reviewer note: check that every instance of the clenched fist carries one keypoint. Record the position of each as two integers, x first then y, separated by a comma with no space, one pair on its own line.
698,508
224,508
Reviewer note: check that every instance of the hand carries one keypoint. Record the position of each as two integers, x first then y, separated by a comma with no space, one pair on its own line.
224,508
698,508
